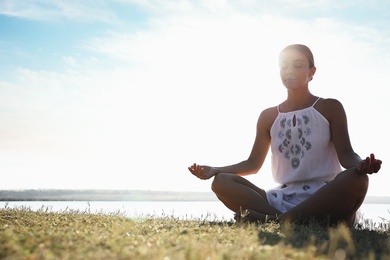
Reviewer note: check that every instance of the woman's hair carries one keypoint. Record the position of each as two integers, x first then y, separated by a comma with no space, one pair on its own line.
304,50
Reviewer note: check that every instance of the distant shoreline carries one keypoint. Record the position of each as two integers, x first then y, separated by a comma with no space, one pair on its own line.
123,195
103,195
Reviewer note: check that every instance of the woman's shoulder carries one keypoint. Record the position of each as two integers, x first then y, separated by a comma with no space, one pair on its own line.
330,101
268,116
329,107
270,112
328,104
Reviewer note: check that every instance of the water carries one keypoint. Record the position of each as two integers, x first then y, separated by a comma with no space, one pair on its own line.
211,210
204,210
379,213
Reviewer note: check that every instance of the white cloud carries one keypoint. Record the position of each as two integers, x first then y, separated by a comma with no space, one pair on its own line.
48,10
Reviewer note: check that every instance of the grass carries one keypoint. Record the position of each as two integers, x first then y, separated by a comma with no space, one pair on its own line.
42,234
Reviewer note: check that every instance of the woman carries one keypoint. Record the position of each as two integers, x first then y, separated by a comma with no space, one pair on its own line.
309,139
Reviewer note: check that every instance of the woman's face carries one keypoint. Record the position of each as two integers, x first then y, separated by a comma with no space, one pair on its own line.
294,69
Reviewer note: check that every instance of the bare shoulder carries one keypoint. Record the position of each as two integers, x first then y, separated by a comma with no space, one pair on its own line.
267,117
329,108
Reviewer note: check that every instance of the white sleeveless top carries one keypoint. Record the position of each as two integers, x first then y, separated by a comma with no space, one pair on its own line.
302,151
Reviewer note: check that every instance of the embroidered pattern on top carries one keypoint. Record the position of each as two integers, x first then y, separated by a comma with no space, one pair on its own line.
288,197
294,152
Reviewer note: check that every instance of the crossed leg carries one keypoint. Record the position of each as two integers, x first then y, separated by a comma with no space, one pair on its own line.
338,200
238,194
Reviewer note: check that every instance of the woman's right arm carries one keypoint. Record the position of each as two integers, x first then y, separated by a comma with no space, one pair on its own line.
257,156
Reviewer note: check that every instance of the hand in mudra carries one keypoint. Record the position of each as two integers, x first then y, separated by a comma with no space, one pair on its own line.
202,171
369,165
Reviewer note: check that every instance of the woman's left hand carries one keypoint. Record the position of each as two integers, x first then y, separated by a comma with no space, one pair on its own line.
369,165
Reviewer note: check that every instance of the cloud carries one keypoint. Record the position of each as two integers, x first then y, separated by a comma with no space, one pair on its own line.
49,10
70,61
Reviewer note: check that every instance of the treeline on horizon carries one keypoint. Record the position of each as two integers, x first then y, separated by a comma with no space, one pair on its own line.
102,195
121,195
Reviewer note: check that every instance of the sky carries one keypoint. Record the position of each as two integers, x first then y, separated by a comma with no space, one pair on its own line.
126,94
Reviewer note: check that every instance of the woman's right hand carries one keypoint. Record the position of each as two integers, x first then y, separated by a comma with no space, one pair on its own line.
202,171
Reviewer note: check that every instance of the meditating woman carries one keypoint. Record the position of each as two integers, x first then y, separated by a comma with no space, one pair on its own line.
309,141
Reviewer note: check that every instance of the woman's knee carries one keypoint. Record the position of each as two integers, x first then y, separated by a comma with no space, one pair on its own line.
357,182
220,182
364,183
361,181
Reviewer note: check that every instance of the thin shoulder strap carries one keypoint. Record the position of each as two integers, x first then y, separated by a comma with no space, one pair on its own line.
278,109
314,101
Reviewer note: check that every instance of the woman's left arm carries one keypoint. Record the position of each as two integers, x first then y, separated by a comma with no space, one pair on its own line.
348,158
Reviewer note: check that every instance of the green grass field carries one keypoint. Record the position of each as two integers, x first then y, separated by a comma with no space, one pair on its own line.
27,234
